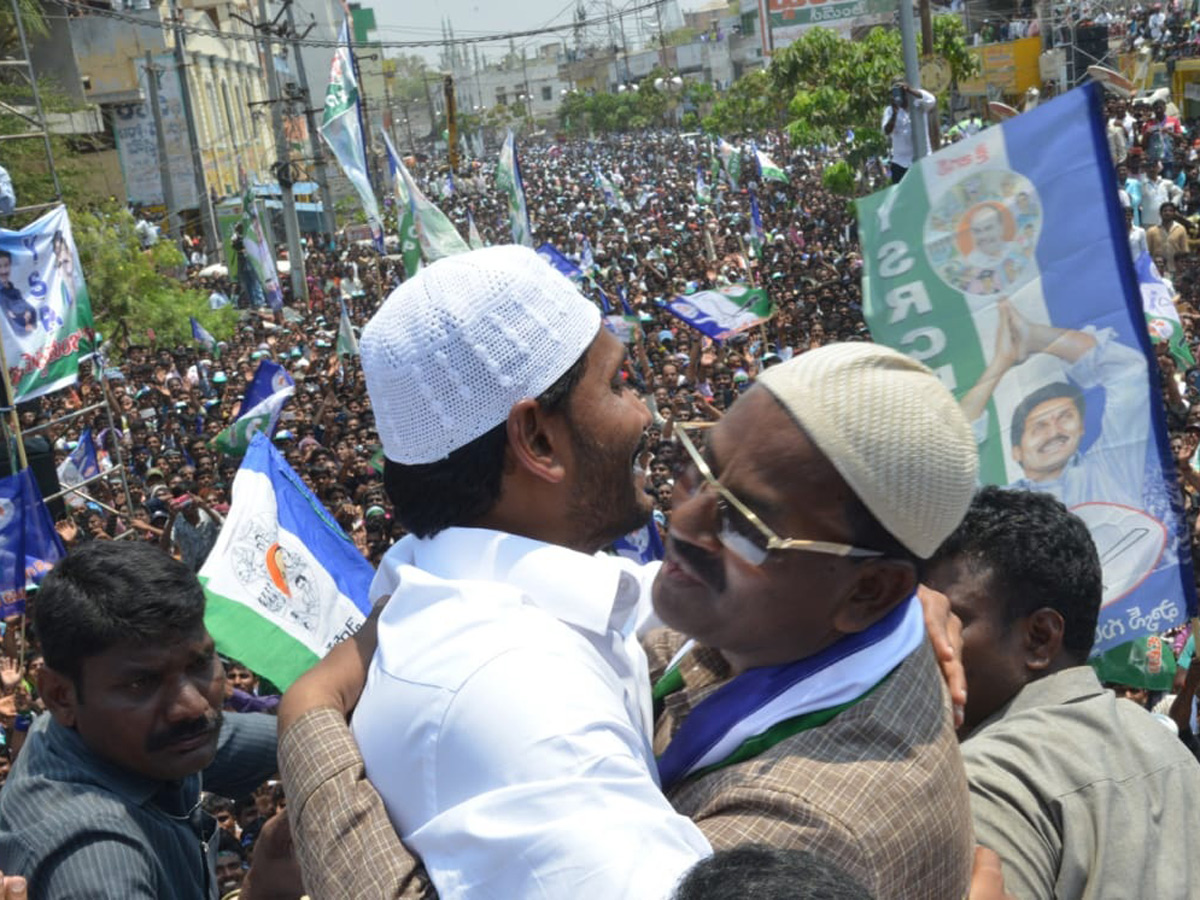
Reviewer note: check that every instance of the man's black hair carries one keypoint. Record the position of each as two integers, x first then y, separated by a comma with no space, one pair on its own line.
6,254
1051,391
767,873
1034,553
430,497
104,593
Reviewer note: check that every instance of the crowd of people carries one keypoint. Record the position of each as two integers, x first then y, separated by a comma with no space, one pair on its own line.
167,485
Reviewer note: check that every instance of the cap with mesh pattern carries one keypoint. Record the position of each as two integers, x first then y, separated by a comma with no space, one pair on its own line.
893,431
452,349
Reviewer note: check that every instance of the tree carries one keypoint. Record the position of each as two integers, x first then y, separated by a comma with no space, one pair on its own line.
836,86
133,289
752,103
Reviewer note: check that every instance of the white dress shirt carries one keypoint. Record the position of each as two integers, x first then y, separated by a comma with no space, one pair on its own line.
902,133
506,722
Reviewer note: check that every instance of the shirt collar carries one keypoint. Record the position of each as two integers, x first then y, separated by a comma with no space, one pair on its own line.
593,593
1075,683
135,788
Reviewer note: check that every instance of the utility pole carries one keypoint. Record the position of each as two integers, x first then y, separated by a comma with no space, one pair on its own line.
282,165
160,139
927,52
912,75
208,219
329,220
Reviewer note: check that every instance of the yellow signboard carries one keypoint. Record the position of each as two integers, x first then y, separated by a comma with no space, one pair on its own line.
1010,67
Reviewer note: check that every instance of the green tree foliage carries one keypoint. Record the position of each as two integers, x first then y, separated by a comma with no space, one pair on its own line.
752,103
835,85
133,289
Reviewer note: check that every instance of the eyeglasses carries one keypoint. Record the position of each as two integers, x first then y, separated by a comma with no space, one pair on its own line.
739,529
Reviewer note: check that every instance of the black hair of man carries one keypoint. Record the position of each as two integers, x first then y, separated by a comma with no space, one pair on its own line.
5,254
428,498
1051,391
1034,553
104,593
767,873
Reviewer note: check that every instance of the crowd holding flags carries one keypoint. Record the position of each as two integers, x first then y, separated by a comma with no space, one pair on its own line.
436,234
1162,318
80,465
341,128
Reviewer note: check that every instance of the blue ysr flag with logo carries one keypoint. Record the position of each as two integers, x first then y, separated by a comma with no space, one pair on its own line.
1001,262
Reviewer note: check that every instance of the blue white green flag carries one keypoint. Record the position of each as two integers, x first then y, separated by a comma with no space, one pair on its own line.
341,128
1162,318
258,252
768,168
1001,262
508,181
269,390
436,234
731,160
723,312
703,194
283,583
473,236
410,243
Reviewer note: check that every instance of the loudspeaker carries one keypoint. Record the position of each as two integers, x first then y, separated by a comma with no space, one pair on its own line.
1090,49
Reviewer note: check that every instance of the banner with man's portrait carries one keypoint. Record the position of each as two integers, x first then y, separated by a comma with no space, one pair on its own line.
45,312
1002,262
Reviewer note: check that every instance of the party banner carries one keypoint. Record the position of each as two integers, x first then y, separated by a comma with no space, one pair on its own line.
1001,263
46,323
723,312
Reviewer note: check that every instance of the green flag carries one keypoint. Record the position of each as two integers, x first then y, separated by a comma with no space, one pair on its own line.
347,343
769,168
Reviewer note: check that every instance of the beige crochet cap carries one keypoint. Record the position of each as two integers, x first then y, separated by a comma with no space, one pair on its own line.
453,348
893,431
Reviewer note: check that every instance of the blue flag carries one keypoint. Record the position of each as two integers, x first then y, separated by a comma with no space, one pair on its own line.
587,261
269,379
642,546
29,545
565,266
80,465
199,333
1001,262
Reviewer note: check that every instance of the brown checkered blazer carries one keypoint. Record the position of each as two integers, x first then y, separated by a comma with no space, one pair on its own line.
880,790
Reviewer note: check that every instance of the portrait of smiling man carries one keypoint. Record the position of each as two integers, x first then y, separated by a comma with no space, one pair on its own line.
104,800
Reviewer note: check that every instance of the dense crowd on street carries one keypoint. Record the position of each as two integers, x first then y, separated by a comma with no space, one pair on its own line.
658,241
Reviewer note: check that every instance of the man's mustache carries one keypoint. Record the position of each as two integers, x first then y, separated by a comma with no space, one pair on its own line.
703,565
183,731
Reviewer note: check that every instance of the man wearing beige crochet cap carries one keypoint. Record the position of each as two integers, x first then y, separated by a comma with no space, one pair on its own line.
807,711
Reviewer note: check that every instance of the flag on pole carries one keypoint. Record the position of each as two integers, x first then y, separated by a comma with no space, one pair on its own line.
473,237
703,194
436,234
1162,318
723,312
587,260
1001,263
768,168
550,254
623,294
731,159
283,583
258,252
200,333
757,237
341,128
29,544
80,465
269,390
611,197
508,180
410,243
347,343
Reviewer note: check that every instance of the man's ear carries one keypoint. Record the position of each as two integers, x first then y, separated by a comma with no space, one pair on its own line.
536,440
1043,638
880,586
58,693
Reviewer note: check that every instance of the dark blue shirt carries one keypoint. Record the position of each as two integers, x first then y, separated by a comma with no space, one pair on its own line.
82,828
